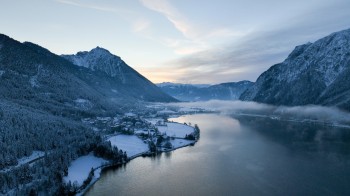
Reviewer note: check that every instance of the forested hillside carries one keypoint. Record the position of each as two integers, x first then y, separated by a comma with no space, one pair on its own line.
43,99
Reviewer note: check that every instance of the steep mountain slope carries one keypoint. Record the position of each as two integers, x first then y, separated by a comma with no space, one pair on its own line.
310,75
99,59
40,110
32,76
115,77
188,92
338,93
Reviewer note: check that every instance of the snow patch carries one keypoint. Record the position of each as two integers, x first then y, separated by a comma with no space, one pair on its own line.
129,114
129,143
34,81
80,168
25,160
33,156
1,71
154,121
176,130
83,104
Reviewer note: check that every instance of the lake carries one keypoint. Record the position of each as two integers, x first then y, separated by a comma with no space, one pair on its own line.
241,155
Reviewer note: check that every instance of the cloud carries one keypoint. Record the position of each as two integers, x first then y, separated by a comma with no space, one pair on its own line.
141,25
191,42
173,15
255,51
196,37
105,8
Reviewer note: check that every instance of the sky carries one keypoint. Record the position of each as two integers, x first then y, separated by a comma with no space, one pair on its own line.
183,41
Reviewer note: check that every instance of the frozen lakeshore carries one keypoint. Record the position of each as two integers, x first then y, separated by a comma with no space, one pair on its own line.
167,136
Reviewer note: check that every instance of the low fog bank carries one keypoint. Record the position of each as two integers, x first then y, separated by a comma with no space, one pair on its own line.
309,112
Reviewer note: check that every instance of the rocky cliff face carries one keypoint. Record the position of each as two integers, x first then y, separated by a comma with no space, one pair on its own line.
115,77
310,75
99,59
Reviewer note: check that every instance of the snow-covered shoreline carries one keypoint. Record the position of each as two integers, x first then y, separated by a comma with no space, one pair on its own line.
134,146
148,153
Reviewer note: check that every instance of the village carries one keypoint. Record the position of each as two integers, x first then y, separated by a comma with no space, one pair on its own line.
155,130
136,134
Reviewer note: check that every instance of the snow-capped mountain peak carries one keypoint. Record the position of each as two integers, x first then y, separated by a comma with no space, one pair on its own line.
99,59
308,75
101,52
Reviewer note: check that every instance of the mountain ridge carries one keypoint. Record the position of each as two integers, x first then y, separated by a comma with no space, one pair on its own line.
204,92
120,77
31,74
308,72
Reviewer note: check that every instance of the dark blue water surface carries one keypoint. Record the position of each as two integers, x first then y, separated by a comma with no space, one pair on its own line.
241,156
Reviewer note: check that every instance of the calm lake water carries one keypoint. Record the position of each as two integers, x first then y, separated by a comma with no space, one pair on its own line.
241,156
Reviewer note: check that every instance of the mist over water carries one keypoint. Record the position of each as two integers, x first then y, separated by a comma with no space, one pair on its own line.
311,112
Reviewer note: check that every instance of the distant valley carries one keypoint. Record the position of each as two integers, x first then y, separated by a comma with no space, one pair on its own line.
192,92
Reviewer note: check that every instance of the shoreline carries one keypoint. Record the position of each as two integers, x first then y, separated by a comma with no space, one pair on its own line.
143,154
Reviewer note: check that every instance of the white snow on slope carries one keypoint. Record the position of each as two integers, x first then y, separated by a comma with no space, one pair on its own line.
24,160
34,81
80,168
99,59
34,155
83,104
176,129
129,143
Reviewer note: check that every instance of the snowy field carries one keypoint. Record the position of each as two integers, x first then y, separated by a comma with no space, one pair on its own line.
80,168
176,130
129,143
153,121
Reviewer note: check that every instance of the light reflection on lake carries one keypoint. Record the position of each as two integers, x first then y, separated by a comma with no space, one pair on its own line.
241,156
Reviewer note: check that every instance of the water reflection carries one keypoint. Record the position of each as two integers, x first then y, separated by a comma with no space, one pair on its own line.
168,155
304,136
241,156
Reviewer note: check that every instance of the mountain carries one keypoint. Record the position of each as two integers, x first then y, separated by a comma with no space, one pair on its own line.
100,59
314,73
115,77
33,76
166,84
203,92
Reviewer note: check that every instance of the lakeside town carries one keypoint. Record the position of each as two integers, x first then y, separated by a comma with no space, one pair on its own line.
132,134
